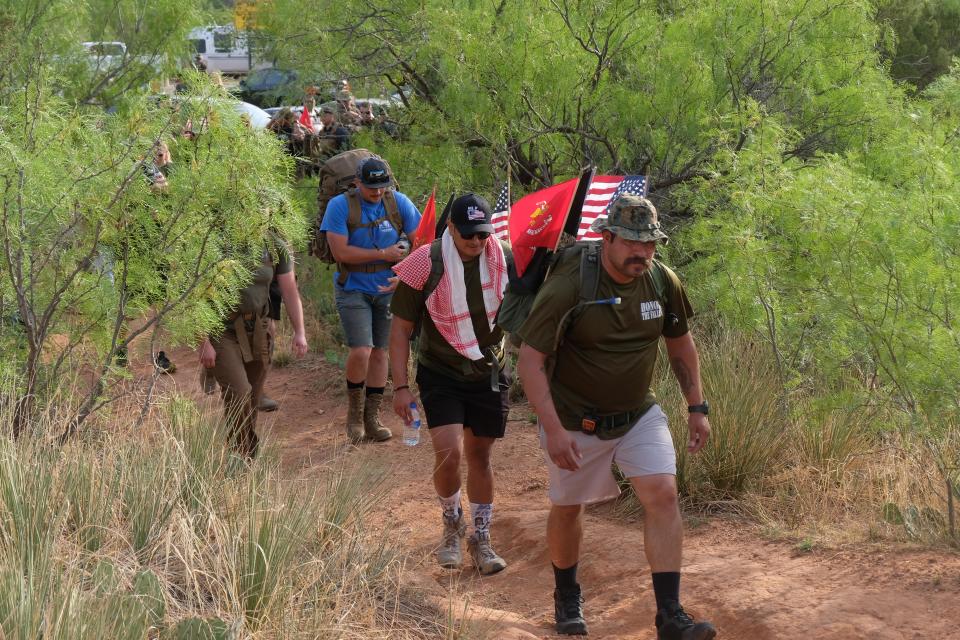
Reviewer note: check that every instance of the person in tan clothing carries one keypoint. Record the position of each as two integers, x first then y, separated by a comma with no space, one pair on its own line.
240,356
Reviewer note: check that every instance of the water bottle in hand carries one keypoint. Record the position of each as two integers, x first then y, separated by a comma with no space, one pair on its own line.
411,431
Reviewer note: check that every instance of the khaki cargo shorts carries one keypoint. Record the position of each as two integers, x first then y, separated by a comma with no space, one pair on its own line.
645,450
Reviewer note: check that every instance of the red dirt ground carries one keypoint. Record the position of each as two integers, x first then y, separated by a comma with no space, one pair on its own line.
750,587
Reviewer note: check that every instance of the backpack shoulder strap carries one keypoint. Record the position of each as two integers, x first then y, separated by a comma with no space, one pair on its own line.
436,269
354,212
589,272
658,275
589,284
393,211
436,273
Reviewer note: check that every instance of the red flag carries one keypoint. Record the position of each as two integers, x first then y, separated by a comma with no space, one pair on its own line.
536,220
427,230
305,118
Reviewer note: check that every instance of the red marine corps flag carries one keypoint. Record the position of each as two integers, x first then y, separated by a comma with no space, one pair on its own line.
537,220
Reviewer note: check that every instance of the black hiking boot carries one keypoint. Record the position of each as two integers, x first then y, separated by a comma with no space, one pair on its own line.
163,363
569,613
673,623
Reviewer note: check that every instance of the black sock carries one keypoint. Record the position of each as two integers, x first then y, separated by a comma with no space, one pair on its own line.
372,390
356,385
565,578
666,588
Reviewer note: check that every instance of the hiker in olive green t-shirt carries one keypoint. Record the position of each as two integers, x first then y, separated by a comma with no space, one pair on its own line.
595,405
463,388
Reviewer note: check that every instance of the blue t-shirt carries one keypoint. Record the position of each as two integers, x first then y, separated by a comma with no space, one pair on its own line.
379,237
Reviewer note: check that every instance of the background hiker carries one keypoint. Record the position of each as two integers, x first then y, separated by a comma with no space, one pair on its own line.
365,252
240,356
595,407
454,287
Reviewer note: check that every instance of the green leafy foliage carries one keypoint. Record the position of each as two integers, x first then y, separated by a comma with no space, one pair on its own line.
821,196
93,238
925,37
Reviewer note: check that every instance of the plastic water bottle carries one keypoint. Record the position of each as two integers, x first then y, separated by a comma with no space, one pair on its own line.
411,432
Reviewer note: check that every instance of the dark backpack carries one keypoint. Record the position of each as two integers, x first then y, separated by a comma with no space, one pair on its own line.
336,176
522,291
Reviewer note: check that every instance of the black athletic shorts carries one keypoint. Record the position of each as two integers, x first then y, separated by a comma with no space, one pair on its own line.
472,404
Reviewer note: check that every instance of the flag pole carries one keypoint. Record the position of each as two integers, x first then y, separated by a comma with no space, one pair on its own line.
509,187
571,226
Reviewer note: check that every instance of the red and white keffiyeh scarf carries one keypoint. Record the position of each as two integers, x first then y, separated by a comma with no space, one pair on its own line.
447,305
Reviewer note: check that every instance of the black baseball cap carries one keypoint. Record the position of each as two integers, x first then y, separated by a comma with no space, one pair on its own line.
471,213
374,173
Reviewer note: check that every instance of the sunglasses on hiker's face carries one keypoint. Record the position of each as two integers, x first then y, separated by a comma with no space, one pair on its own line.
482,235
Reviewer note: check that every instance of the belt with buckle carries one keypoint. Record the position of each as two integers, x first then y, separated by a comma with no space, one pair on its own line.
594,424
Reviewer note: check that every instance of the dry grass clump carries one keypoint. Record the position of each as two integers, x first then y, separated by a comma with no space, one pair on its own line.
829,475
158,531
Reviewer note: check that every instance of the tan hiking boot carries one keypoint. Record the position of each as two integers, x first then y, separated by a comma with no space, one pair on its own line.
355,415
449,555
268,404
373,429
485,559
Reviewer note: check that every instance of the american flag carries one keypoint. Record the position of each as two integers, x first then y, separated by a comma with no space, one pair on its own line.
603,190
501,212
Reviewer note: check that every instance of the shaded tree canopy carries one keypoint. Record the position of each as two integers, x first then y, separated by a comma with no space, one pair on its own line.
820,193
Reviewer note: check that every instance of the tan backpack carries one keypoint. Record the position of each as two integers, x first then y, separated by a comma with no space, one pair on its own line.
336,176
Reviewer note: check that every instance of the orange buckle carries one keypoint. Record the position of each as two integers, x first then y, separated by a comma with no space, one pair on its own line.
588,425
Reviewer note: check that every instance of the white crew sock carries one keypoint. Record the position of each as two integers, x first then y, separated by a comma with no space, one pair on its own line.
451,506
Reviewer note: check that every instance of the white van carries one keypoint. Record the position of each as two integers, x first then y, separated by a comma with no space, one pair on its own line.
224,49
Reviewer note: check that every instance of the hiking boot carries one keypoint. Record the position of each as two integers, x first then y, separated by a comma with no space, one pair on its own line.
485,559
673,623
569,612
267,404
449,555
373,429
163,363
355,415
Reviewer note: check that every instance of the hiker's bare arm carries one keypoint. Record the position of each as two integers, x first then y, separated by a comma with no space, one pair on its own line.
562,448
400,331
685,362
348,254
532,368
208,355
291,299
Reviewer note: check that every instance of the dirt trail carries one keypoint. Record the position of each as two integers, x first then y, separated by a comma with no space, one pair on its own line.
749,587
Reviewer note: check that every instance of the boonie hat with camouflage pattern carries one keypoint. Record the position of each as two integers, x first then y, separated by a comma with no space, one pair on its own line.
633,218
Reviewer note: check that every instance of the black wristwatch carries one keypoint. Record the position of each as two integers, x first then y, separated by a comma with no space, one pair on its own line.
703,407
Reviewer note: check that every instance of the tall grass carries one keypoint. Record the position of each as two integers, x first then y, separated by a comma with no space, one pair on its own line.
805,467
134,532
748,427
